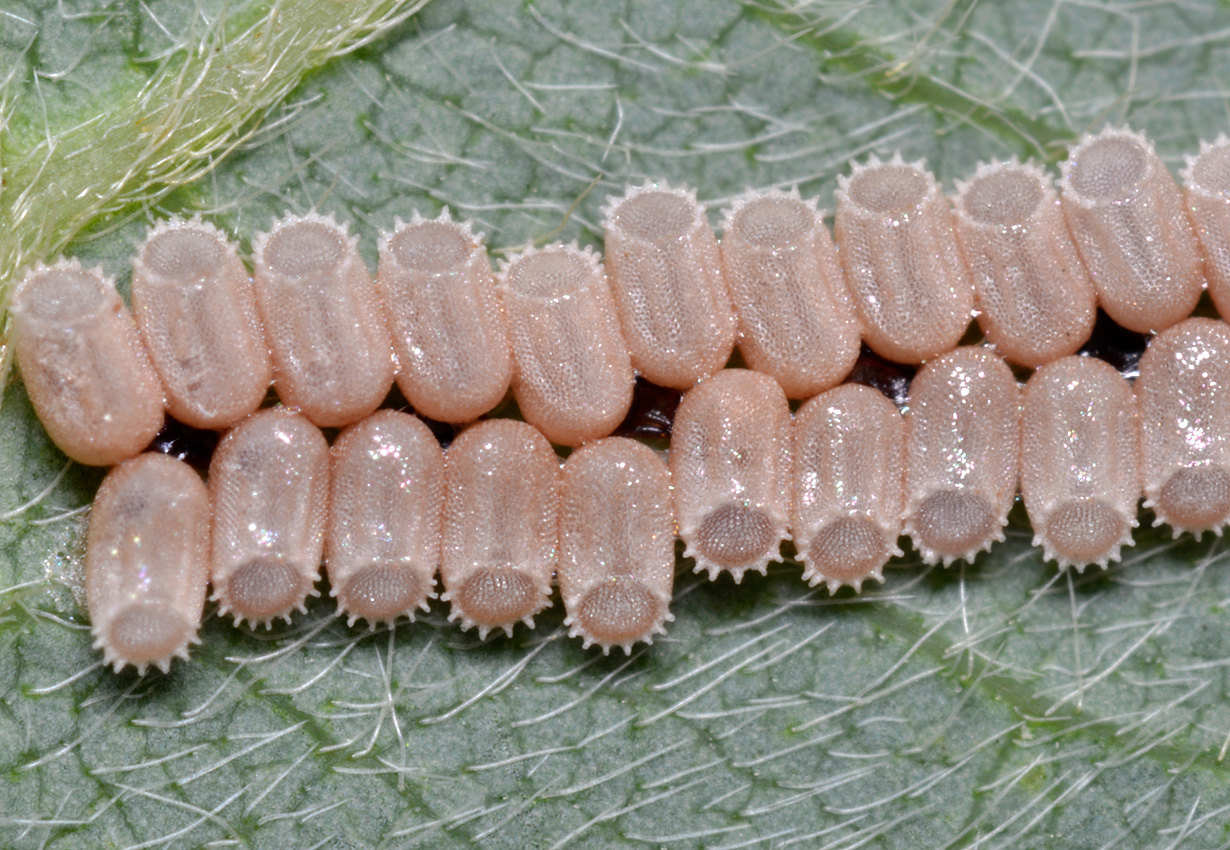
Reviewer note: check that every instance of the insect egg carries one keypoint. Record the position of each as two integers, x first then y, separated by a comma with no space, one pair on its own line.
193,302
87,374
796,321
1080,461
269,482
1035,301
847,473
571,377
662,262
1206,182
1184,393
904,269
962,438
730,470
386,500
147,562
449,333
617,543
331,350
1126,217
501,532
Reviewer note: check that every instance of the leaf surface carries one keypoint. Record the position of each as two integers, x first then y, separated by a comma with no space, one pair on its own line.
999,705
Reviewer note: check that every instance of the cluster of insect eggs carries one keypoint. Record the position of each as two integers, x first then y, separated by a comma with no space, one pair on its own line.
385,508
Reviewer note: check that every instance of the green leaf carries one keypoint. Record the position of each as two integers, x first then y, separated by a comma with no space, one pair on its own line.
998,705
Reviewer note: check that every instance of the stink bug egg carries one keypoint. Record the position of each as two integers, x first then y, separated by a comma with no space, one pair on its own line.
662,260
449,333
88,376
386,501
1207,185
796,321
1080,461
902,265
1184,392
963,434
147,562
193,302
332,355
730,470
617,543
269,481
847,473
1035,301
1127,219
571,377
501,533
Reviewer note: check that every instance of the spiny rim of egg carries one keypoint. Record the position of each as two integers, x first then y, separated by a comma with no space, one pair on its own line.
734,221
624,591
101,291
875,553
1107,550
119,660
463,230
772,532
1195,174
177,226
986,202
1128,139
534,597
408,602
1204,494
586,257
346,243
981,527
613,202
927,189
676,214
283,605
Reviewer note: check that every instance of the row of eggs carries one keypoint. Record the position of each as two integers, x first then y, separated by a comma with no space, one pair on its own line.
498,517
904,276
569,337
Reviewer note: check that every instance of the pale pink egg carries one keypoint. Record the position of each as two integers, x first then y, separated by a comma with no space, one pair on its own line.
617,543
664,271
88,376
147,562
1126,217
796,321
382,545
